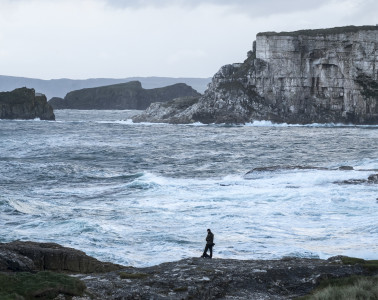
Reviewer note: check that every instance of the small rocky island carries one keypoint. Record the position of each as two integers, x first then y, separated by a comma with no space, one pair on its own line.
307,76
129,95
24,103
31,270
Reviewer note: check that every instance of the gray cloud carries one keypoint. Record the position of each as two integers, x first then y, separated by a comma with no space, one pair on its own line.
249,7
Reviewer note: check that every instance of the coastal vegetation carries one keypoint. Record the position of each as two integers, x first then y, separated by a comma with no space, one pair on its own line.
42,285
348,288
351,287
323,31
369,86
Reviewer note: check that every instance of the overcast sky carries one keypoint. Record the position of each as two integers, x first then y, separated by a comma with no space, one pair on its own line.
81,39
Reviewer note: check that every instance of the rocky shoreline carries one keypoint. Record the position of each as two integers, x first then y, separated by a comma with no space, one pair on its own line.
190,278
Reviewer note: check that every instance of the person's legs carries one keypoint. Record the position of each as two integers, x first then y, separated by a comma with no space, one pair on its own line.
211,250
205,251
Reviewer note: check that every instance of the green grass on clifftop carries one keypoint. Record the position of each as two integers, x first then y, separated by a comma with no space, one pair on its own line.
349,288
370,265
42,285
315,32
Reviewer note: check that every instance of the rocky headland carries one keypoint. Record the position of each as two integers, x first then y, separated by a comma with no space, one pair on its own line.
24,103
60,87
128,95
306,76
84,277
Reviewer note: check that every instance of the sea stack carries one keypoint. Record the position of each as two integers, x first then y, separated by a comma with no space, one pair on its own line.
306,76
24,103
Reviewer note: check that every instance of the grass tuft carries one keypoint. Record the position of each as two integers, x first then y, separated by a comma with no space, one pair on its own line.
348,288
370,265
181,289
42,285
125,275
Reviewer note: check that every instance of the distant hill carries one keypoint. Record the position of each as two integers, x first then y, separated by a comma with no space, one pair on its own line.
128,95
60,87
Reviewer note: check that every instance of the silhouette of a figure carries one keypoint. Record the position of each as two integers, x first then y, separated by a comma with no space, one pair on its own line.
209,245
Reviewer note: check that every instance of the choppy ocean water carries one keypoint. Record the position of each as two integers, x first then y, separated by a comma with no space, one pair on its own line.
143,194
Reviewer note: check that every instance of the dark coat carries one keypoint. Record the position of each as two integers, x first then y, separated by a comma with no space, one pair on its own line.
210,238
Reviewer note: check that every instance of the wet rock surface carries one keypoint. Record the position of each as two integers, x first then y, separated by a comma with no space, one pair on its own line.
198,278
372,179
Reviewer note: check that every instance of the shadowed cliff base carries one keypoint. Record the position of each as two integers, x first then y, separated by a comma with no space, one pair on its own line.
301,77
191,278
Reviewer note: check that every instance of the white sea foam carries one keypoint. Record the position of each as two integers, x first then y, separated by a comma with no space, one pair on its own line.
262,123
142,195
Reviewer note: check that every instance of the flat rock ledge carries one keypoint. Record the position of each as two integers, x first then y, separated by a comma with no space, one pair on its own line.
191,278
28,256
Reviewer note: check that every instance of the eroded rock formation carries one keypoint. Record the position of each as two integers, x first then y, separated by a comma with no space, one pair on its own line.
24,103
167,112
307,76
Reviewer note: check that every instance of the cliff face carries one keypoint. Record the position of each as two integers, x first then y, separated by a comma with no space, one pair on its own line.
327,75
128,95
24,103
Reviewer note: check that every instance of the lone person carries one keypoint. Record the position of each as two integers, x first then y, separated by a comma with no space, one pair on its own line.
209,244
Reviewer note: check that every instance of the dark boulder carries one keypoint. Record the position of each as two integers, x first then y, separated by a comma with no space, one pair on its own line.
373,178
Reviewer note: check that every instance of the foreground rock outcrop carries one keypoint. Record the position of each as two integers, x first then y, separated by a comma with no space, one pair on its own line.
128,95
307,76
24,103
33,256
191,278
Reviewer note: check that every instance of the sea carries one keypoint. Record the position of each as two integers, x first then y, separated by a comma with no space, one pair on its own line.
140,194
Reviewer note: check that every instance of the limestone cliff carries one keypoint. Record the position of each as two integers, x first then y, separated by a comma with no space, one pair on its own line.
24,103
307,76
128,95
